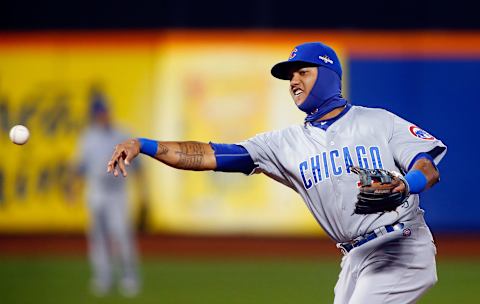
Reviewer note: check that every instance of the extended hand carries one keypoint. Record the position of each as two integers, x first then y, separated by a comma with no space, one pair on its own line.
122,156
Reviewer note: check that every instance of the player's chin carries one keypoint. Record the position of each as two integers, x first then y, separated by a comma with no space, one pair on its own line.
299,99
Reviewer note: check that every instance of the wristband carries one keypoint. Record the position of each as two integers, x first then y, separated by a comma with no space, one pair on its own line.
148,146
416,180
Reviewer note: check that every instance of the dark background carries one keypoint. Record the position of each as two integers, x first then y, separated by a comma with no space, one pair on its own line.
248,14
426,91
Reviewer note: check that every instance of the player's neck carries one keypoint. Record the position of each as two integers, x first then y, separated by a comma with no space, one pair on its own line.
335,112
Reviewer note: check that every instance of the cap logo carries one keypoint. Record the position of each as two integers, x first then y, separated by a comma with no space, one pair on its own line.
293,54
325,59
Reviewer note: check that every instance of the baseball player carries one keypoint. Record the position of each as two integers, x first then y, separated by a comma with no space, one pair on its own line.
110,235
359,171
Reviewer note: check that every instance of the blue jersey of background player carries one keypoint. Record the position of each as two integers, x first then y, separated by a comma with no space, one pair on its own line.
388,256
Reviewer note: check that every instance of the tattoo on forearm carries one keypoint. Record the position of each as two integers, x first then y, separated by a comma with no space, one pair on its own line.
191,155
162,149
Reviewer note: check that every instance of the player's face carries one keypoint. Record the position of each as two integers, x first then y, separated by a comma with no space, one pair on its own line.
102,118
301,83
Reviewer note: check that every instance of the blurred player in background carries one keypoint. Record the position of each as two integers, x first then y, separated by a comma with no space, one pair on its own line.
389,256
111,238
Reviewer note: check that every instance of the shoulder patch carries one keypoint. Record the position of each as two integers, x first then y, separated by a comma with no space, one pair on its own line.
419,133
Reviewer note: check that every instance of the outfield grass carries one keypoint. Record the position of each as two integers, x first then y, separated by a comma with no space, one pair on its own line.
65,280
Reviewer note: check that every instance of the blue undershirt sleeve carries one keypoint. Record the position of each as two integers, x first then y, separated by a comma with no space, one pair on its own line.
420,156
415,178
232,158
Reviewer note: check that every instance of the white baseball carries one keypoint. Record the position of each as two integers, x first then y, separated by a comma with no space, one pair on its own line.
19,134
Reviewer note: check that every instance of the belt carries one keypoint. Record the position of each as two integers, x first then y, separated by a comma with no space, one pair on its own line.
359,241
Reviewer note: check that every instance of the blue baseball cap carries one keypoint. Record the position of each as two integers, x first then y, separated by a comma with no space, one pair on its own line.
311,53
97,107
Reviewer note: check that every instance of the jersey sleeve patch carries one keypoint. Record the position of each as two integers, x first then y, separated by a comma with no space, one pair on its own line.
419,133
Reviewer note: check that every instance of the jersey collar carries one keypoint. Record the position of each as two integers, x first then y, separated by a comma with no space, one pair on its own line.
325,123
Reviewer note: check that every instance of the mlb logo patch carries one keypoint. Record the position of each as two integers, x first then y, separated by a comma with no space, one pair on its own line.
325,59
419,133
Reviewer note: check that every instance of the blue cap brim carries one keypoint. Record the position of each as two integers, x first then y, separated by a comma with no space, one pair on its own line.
282,70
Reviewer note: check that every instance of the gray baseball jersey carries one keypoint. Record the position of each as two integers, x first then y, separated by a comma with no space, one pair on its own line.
315,163
96,148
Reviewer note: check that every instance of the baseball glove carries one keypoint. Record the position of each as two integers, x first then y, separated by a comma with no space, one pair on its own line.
376,187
